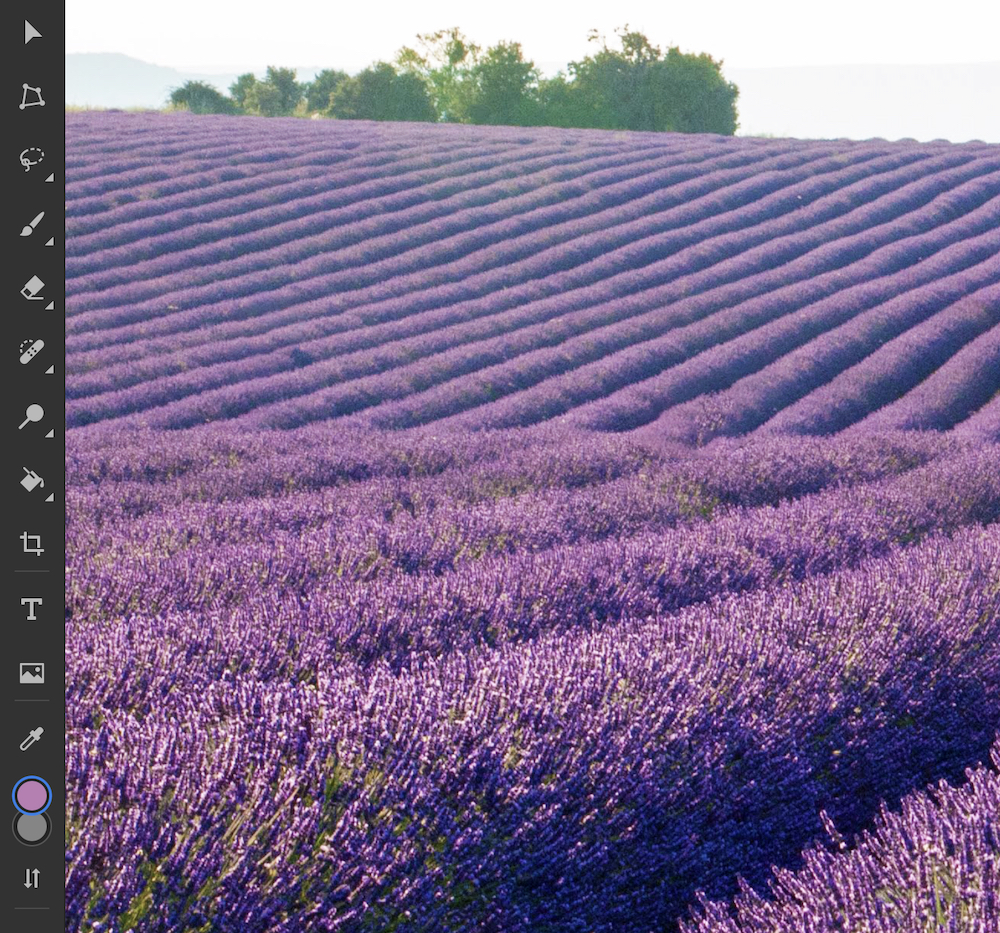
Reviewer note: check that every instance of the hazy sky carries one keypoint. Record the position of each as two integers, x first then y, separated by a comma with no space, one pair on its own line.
225,35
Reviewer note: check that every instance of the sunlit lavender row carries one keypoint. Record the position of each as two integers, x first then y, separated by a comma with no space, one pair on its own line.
935,864
600,775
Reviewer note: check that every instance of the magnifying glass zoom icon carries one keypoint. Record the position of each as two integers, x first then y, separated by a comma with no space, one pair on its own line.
32,413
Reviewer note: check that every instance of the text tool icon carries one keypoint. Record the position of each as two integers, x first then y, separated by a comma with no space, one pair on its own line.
30,349
34,736
31,672
31,156
31,602
30,32
28,229
31,97
31,877
32,287
31,480
32,413
32,544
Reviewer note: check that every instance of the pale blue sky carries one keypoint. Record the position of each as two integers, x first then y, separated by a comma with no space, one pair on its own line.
214,36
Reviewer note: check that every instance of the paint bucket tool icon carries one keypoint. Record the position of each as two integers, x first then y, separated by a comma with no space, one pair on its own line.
31,479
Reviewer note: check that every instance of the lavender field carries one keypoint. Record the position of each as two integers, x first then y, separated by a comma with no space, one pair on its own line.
504,530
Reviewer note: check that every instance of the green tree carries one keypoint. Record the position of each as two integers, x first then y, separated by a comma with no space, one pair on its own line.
288,90
505,87
318,91
199,97
444,63
614,86
381,93
692,96
637,87
240,88
276,96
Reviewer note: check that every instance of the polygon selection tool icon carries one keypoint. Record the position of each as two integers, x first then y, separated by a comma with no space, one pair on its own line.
30,97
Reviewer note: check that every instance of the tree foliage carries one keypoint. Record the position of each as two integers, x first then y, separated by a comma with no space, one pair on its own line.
638,87
317,92
449,78
443,62
504,87
199,97
240,88
276,96
381,93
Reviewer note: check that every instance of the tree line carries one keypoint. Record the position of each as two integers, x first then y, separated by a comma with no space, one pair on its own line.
447,78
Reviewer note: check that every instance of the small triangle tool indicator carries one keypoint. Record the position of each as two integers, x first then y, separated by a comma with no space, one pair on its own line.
51,177
51,306
51,498
51,434
50,371
51,241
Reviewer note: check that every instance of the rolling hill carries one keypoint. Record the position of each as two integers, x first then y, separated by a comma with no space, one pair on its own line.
499,530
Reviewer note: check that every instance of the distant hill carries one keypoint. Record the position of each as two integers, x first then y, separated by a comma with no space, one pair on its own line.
114,80
924,102
109,79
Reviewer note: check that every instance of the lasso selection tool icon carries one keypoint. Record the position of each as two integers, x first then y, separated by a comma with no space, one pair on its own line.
31,156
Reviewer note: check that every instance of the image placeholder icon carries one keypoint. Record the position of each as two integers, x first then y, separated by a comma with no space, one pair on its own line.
32,672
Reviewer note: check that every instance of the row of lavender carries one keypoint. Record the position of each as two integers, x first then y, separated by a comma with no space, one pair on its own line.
459,323
513,681
935,865
590,780
386,278
371,574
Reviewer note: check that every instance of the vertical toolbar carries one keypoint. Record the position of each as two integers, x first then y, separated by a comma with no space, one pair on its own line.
32,426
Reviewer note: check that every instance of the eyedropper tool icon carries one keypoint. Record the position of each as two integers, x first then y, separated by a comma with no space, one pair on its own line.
33,737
